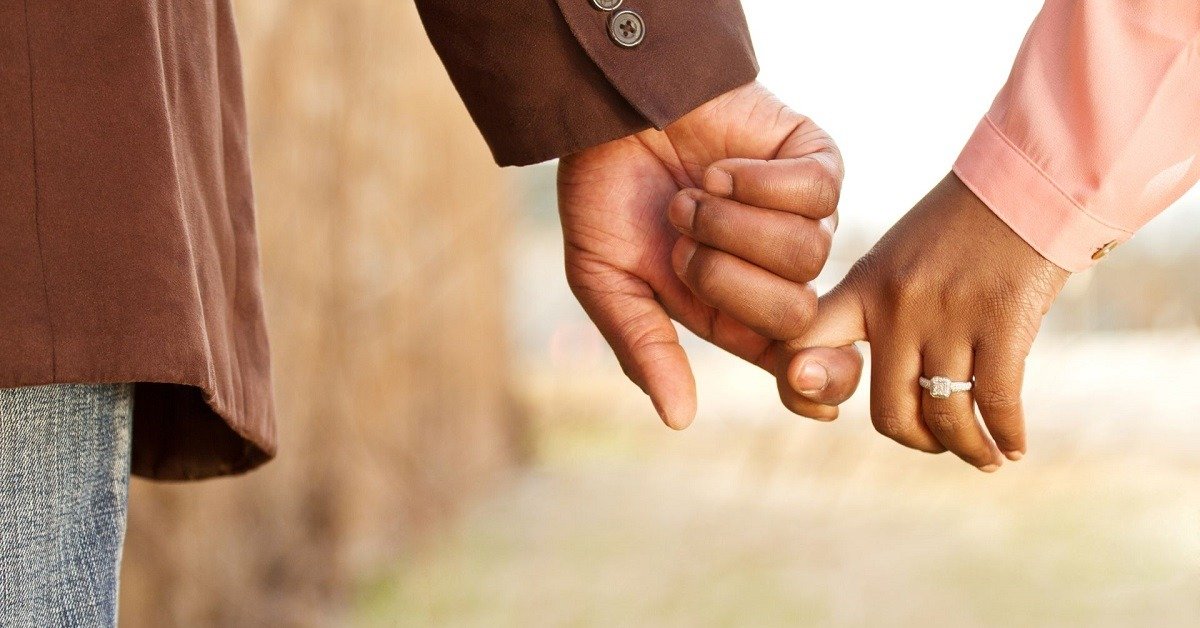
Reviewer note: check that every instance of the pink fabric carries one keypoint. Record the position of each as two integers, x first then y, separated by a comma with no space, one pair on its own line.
1098,128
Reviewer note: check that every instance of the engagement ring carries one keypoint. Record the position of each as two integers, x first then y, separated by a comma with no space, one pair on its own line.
942,387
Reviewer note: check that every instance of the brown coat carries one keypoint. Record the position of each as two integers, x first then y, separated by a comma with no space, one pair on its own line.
127,243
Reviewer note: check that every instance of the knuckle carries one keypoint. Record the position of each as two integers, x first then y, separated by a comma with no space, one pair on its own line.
704,270
640,338
1000,297
862,276
895,291
821,189
1017,306
790,317
1007,346
904,286
823,241
890,424
591,284
807,249
999,342
959,292
707,221
942,421
640,332
997,400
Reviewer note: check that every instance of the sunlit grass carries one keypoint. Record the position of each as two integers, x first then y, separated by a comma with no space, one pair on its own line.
754,518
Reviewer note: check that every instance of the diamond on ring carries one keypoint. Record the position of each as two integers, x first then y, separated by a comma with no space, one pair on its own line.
942,387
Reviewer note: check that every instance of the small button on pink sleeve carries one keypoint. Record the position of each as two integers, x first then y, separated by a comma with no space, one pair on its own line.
1098,128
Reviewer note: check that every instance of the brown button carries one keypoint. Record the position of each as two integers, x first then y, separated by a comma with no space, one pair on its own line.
627,29
607,5
1105,250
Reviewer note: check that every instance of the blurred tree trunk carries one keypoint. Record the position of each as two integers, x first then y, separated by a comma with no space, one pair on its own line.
383,222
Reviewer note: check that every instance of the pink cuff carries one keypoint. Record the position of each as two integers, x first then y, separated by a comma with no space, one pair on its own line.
1031,204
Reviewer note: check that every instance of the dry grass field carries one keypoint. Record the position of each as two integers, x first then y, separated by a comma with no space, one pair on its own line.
753,517
756,518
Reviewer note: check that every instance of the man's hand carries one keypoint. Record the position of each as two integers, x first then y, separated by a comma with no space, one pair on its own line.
742,152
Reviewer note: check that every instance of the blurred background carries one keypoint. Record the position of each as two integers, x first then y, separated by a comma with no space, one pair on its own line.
459,447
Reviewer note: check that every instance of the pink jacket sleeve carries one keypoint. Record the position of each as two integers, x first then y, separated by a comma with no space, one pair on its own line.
1097,129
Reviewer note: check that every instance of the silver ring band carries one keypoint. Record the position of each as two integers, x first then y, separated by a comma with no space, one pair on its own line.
942,387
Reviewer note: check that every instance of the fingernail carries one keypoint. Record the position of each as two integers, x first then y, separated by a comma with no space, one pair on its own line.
813,378
991,468
682,212
718,182
682,256
1014,455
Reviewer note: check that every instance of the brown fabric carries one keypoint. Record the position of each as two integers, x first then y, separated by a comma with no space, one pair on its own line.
543,79
693,51
127,243
127,239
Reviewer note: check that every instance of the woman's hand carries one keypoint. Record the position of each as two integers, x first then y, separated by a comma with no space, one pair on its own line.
949,291
613,199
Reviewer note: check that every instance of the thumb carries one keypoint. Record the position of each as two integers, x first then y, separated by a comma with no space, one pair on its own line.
822,368
644,340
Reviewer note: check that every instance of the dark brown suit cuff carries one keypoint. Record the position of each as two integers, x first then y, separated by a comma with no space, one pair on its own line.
545,78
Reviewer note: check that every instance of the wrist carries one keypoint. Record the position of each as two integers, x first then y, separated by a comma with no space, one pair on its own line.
1033,205
992,234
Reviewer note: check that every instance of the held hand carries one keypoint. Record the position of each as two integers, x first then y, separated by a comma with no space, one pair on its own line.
746,147
949,291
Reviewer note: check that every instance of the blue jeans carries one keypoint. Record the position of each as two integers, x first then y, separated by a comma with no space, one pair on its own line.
64,487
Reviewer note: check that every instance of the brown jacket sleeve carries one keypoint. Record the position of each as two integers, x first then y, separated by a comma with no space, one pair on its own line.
544,78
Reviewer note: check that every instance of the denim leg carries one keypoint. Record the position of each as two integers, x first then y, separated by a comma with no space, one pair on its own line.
64,488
